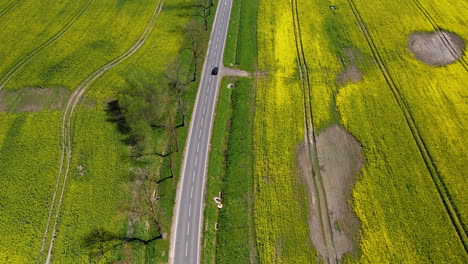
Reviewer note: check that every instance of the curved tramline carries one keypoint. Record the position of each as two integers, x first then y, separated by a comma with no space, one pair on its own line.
442,37
66,146
319,189
15,68
9,7
444,194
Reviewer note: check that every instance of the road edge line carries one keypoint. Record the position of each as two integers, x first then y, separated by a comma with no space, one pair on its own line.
180,184
205,167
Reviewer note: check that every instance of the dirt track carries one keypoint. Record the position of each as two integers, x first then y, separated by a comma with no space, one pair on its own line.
9,7
66,147
225,71
317,195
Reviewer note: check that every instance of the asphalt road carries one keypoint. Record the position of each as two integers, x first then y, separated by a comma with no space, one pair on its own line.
188,212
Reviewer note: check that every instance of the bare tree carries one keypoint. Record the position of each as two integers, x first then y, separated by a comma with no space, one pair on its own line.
171,126
205,7
177,76
151,196
194,31
171,168
145,203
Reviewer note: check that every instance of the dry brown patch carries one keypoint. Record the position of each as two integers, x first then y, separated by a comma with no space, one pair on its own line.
340,161
339,156
350,72
436,48
316,233
6,98
33,99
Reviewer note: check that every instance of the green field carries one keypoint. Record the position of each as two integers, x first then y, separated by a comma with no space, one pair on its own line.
72,41
26,26
29,142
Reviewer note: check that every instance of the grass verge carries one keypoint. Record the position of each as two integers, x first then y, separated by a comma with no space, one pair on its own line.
231,173
241,44
230,168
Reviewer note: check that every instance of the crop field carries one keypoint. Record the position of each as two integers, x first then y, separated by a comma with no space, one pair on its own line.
67,185
346,146
63,62
280,210
27,181
6,6
351,65
20,40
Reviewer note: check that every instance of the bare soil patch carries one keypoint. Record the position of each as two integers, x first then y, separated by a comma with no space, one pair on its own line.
33,99
340,161
350,72
234,72
438,48
315,228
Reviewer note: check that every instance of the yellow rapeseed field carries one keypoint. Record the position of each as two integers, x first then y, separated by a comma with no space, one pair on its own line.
280,209
409,117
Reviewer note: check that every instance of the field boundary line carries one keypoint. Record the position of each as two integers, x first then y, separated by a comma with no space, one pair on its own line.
66,145
442,36
9,7
13,70
310,138
444,194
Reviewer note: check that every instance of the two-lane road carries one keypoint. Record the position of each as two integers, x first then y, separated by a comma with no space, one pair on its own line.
188,212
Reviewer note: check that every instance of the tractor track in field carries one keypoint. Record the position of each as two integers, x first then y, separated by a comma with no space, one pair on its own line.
15,68
9,7
442,37
444,194
66,138
311,146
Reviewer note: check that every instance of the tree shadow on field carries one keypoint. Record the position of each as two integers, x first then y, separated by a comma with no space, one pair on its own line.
115,115
179,6
100,241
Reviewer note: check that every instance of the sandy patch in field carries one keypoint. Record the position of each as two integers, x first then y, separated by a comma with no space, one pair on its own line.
350,72
340,161
33,99
438,48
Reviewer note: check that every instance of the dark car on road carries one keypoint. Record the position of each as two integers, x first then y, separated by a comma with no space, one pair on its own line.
215,71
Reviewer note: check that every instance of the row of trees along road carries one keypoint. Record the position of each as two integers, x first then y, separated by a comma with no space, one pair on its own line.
152,105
